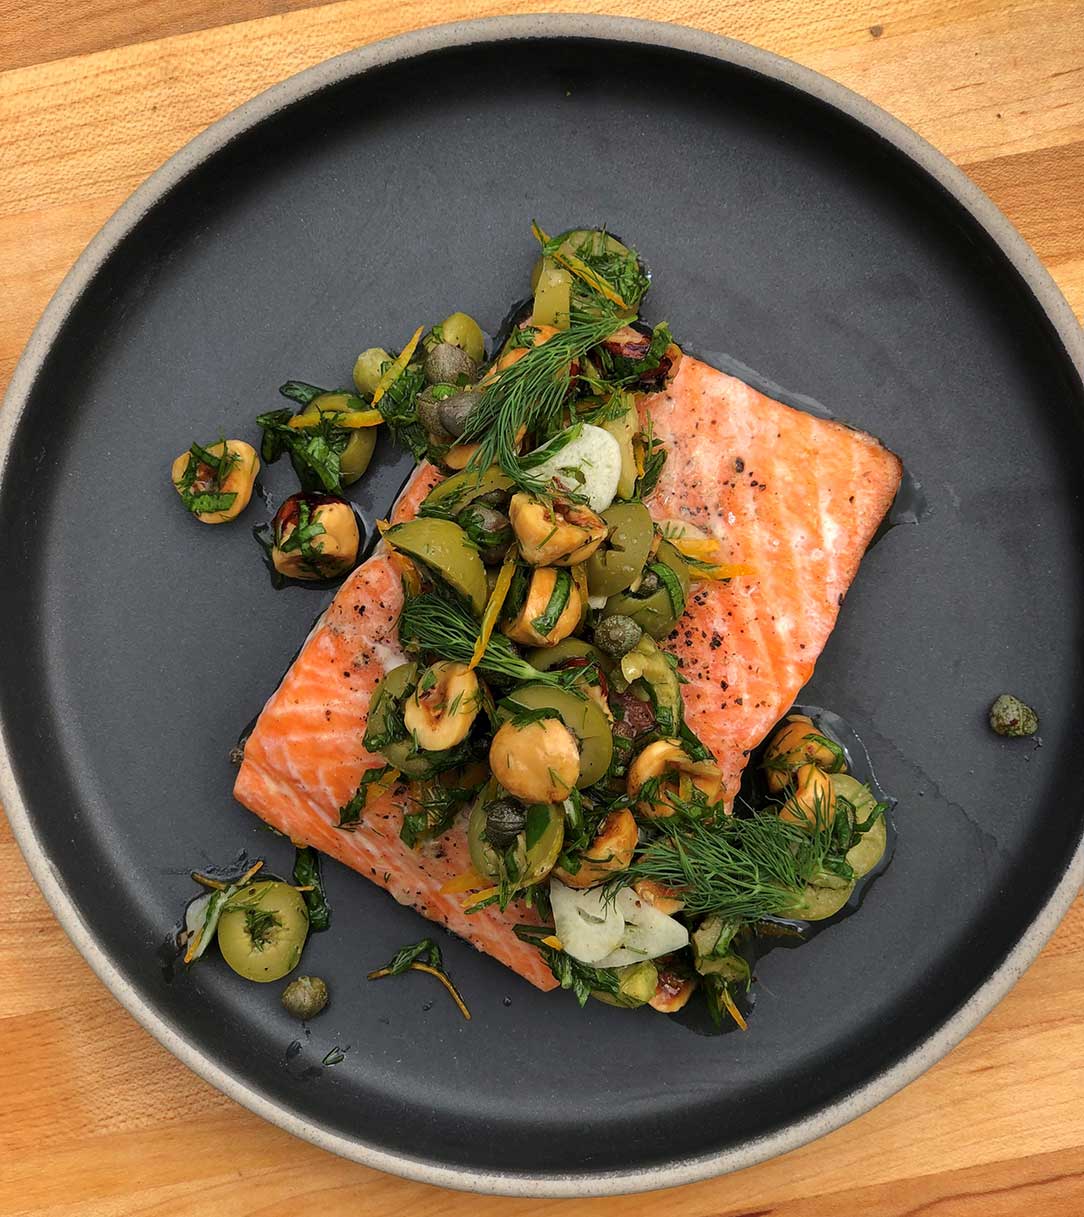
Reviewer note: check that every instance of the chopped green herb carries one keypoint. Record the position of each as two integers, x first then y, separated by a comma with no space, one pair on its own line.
423,956
307,874
201,482
351,812
569,972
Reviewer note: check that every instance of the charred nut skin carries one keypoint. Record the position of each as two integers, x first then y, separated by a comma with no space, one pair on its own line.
329,553
538,763
672,992
557,534
610,851
794,743
520,629
444,704
239,479
811,802
668,760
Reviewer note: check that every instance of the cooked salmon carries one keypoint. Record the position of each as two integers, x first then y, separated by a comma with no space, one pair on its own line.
793,498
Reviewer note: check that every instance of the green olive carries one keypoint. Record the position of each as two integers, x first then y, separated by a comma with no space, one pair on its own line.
818,903
305,997
385,722
869,850
582,717
386,719
537,847
552,296
445,549
644,661
624,429
461,489
654,612
545,659
355,457
262,930
573,242
621,557
368,369
464,332
385,714
636,985
447,364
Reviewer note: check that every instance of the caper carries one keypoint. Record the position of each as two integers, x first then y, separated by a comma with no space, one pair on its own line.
454,412
1012,717
449,364
489,529
495,498
305,997
649,584
428,407
464,332
505,820
617,635
368,369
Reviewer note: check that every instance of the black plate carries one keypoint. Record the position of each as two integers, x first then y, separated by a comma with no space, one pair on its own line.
787,223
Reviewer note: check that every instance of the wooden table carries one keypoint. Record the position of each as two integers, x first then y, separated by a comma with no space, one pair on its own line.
96,1117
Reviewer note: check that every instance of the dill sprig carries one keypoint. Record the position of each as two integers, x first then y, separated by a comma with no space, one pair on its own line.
531,395
741,869
430,622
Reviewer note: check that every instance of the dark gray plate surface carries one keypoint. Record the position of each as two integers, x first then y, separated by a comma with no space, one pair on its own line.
788,224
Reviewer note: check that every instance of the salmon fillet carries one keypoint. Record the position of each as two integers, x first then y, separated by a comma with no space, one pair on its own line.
794,497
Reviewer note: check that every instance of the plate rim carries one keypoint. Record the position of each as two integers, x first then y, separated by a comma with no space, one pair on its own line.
187,159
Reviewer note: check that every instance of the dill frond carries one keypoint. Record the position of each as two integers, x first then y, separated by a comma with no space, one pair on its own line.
531,395
431,622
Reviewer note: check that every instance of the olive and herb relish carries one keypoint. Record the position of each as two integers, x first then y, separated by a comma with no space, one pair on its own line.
537,712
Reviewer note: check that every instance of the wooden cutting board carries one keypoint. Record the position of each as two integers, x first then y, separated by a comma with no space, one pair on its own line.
97,1119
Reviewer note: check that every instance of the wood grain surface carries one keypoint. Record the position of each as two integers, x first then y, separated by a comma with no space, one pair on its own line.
97,1119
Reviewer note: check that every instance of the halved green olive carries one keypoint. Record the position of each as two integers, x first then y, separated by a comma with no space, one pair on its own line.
461,489
547,658
384,729
657,612
355,457
818,903
445,548
646,662
621,557
581,716
869,850
262,930
463,331
624,429
552,296
385,722
537,847
636,985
